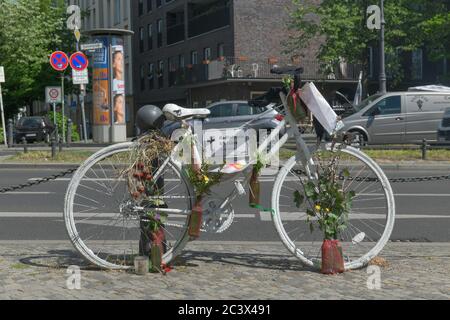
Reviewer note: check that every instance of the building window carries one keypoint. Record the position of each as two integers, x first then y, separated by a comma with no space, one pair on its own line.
194,57
158,3
181,61
417,65
207,54
142,77
117,11
141,39
150,36
160,35
141,7
151,76
220,50
149,5
160,74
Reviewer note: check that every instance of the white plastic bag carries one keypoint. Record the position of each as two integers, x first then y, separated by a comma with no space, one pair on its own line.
320,108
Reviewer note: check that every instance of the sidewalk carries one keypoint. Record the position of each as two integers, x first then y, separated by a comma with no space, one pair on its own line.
37,270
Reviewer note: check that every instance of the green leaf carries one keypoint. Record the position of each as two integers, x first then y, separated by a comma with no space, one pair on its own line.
298,199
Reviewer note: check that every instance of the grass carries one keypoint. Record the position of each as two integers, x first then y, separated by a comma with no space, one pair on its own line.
19,266
378,155
46,157
391,155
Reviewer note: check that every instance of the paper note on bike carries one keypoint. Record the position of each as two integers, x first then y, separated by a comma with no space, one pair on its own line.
319,107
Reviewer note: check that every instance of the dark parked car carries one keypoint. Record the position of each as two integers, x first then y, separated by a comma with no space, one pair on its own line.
234,114
34,129
444,128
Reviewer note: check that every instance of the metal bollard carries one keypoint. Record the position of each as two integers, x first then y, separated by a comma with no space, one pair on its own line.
53,148
60,144
25,145
69,132
10,133
424,149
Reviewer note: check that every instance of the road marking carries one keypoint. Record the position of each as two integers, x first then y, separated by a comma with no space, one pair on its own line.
301,216
26,193
88,215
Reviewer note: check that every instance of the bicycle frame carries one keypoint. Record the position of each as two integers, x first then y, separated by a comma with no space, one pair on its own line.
303,154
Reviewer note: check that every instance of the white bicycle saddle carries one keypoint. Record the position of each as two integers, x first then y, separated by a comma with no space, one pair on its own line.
177,113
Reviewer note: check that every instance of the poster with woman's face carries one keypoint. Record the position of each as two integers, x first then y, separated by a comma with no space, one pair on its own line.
118,64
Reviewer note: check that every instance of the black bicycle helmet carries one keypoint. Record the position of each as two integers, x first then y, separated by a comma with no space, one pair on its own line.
150,118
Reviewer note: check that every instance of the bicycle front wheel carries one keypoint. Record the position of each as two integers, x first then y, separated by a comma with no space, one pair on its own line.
104,221
370,221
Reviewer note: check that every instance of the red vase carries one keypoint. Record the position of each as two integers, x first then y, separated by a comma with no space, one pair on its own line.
332,257
157,249
255,190
195,219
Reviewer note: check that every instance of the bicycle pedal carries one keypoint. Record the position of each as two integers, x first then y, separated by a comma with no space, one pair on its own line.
240,189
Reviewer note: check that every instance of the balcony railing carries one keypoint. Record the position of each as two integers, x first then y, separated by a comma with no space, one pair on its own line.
209,21
175,34
243,68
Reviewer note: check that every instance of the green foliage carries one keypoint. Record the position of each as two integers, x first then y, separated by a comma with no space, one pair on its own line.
410,24
29,31
1,135
328,203
203,180
59,121
156,220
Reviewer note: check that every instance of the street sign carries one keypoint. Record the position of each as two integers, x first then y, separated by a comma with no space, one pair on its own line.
80,77
2,75
74,21
91,46
59,61
374,17
53,95
78,61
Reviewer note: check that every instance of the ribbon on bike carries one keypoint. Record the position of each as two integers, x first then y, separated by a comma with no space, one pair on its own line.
261,208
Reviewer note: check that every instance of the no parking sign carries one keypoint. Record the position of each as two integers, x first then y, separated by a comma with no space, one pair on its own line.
53,95
78,61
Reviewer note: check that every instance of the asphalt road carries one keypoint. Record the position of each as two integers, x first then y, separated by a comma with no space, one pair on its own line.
423,209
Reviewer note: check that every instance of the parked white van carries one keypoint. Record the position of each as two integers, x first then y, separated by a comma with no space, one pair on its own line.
399,117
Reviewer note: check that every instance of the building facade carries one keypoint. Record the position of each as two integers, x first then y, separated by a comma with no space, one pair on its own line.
111,14
194,52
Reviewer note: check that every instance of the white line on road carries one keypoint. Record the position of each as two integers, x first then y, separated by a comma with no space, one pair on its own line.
88,215
27,193
300,216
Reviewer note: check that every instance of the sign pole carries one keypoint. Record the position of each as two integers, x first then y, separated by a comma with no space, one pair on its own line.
83,114
62,109
383,86
3,117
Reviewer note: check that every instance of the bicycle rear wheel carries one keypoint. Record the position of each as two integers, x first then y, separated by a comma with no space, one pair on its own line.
371,219
102,218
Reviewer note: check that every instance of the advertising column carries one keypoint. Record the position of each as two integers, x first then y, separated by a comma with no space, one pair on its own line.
118,89
109,91
101,96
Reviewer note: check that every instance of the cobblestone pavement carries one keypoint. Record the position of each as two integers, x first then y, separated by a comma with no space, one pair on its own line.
38,270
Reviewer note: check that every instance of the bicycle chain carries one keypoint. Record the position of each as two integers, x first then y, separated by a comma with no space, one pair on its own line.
39,181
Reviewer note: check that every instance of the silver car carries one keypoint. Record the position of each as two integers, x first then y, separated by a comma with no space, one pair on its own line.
398,117
235,114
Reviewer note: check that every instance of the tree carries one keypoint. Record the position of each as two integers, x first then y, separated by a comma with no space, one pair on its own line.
341,27
29,31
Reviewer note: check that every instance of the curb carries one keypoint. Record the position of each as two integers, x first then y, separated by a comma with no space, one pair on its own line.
408,166
46,166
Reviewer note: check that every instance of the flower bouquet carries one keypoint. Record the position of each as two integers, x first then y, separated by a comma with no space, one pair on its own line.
202,180
255,184
154,244
329,207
